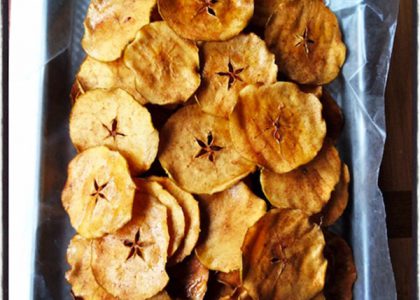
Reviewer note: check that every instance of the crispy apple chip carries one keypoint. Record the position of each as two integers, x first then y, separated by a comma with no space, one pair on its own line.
306,39
114,119
99,192
341,271
94,74
188,279
197,152
277,126
230,66
80,275
226,218
192,218
339,199
308,187
283,257
206,20
332,114
111,24
176,220
130,263
166,65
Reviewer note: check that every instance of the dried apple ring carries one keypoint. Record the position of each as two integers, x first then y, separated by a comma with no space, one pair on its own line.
277,126
99,192
111,24
206,20
230,66
197,152
306,39
166,65
114,119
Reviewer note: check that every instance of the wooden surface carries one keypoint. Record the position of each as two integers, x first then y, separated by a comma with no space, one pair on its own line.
396,178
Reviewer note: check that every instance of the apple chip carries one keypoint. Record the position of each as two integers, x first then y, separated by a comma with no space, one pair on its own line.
339,199
341,271
333,115
111,24
227,216
197,152
188,279
313,89
192,218
176,220
277,126
306,39
263,9
130,263
230,286
308,187
94,74
166,65
114,119
80,275
206,20
230,66
99,192
283,257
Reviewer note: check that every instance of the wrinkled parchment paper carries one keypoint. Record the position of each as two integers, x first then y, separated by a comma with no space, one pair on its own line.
368,27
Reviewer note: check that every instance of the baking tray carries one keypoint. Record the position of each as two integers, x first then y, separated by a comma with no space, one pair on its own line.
368,27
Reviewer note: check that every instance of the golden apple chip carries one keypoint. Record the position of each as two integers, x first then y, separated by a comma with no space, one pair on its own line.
176,220
166,65
206,20
192,218
341,271
80,275
226,218
308,187
339,199
333,115
95,74
277,126
99,192
197,152
114,119
111,24
306,39
230,66
130,263
283,257
188,279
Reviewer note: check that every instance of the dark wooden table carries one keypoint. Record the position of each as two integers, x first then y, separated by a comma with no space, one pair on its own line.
396,178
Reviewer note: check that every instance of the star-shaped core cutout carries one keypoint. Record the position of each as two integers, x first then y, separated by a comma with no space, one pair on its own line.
233,74
208,148
304,40
113,131
98,193
136,246
207,7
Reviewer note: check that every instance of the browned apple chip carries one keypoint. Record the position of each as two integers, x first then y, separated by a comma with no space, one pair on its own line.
333,115
114,119
99,192
111,24
306,39
192,218
197,152
166,65
176,220
277,126
130,263
341,271
229,67
339,199
227,216
283,257
80,275
308,187
94,74
206,20
188,279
